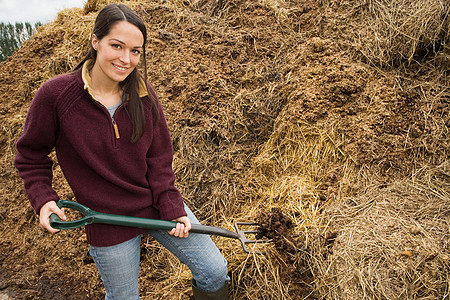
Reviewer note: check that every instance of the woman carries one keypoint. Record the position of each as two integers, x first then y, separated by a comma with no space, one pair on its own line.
113,145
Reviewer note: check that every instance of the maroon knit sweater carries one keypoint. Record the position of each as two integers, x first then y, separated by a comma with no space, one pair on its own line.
106,173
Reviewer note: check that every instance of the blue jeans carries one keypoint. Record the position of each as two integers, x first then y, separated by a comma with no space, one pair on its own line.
118,265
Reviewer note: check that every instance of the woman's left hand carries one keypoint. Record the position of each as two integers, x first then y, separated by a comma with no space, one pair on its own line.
182,228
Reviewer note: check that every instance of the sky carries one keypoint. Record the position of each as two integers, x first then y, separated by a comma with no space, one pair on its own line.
32,11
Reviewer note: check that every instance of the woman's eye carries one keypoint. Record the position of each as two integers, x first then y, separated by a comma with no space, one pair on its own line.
135,51
116,46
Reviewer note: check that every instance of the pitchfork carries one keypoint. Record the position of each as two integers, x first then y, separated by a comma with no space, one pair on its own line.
90,216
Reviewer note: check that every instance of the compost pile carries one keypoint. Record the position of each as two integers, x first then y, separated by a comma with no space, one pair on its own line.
325,121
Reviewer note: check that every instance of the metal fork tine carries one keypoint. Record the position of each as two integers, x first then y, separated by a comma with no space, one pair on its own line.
256,241
243,238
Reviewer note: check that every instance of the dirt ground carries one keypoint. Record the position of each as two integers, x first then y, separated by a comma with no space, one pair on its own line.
226,73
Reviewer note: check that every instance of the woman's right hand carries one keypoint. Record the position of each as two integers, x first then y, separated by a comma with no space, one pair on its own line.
44,215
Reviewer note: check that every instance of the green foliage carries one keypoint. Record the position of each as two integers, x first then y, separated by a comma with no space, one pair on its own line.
13,35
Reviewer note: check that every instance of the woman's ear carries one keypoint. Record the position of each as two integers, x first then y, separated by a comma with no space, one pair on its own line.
94,42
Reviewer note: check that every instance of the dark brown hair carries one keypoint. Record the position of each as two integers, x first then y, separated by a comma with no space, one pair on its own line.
106,19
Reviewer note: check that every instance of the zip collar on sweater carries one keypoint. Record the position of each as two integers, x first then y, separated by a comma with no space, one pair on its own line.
87,66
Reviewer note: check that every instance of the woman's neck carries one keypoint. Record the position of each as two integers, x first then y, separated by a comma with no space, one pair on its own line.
107,92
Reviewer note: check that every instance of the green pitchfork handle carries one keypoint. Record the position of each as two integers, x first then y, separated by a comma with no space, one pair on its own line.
90,216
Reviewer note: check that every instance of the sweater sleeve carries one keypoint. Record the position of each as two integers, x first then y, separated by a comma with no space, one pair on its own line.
33,148
166,198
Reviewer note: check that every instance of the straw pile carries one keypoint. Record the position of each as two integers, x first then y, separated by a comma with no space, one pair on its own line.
395,33
272,120
393,241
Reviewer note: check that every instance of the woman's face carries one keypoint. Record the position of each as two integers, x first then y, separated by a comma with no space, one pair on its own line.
118,53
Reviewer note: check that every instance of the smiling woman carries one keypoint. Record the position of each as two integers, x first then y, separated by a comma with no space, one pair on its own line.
118,54
121,163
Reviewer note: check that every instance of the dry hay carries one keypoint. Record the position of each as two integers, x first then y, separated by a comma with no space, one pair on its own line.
392,241
403,31
394,33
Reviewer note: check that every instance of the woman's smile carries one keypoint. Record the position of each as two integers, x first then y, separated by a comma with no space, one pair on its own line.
122,69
